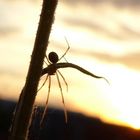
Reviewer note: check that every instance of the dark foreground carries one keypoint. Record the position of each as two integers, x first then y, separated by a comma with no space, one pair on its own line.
79,127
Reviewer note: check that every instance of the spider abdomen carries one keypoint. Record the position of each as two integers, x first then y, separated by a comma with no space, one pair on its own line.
53,57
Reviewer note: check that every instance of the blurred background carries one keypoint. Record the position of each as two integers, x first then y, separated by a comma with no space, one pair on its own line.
104,39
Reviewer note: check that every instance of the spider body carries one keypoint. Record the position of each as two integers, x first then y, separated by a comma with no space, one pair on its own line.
52,69
53,57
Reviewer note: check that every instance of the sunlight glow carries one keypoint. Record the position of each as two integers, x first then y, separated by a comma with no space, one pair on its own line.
125,95
112,32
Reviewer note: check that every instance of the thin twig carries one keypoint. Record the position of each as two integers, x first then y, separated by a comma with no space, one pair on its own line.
24,108
66,65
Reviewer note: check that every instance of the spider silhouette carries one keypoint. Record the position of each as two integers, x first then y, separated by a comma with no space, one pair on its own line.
53,59
52,69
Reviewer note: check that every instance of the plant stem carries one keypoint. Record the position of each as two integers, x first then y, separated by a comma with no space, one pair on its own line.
19,129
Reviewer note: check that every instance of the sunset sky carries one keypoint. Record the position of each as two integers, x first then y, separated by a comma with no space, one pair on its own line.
104,38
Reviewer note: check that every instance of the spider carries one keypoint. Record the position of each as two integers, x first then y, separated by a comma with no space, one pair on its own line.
52,69
53,59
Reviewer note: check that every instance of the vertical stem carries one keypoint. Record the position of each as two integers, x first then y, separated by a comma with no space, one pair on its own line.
23,112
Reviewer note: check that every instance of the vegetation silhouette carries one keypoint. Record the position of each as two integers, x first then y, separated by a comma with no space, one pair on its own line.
79,127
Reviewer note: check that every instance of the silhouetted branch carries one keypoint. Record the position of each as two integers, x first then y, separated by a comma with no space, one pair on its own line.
24,108
66,65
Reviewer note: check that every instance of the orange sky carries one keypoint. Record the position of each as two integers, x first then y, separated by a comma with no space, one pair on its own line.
103,38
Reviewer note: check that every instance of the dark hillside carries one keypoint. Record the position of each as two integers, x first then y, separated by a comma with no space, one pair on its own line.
79,127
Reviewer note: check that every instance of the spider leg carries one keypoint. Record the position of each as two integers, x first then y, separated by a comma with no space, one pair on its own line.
45,110
63,79
65,59
47,59
43,83
66,50
46,76
46,62
65,111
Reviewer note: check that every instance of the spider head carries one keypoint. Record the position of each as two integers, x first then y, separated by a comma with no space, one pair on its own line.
53,57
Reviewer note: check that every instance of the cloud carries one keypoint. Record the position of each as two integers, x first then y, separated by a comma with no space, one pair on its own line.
129,32
130,60
126,3
97,28
104,19
7,30
124,32
117,3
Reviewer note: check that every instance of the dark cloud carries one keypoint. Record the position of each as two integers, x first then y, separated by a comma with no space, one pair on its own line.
126,3
117,3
